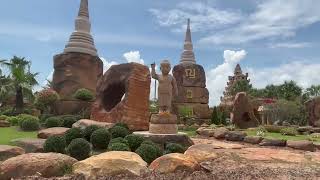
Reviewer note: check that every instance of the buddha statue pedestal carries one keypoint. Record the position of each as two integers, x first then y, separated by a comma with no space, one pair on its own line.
163,123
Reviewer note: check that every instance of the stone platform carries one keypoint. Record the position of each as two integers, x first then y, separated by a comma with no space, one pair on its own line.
162,139
163,124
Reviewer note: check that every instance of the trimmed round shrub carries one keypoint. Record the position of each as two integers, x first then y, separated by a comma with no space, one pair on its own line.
44,117
289,131
55,144
118,147
79,149
148,152
53,122
83,94
100,138
122,125
72,134
118,131
149,142
30,124
68,121
134,141
87,132
119,140
174,148
23,117
13,120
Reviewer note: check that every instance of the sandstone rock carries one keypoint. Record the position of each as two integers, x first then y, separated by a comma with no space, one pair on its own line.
7,152
163,128
110,164
46,164
83,123
163,119
132,81
189,75
73,71
253,139
181,126
315,135
272,142
235,136
4,123
218,144
202,152
315,130
304,129
172,162
72,106
313,110
242,114
192,95
220,133
301,145
29,145
208,132
56,131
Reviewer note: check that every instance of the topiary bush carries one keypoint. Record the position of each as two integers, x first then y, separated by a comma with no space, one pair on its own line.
119,140
79,149
118,147
55,144
134,141
29,123
45,99
53,122
44,117
122,125
100,138
289,131
119,131
87,132
13,120
174,148
83,94
149,142
72,134
148,152
68,121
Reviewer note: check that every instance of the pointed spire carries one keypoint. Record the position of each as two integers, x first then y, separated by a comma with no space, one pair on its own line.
238,69
188,54
81,40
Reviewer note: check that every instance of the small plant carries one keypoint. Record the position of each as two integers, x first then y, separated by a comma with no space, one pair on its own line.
29,123
174,148
83,94
53,122
119,140
79,148
89,130
148,152
55,144
72,134
68,121
119,131
122,125
289,131
261,131
13,120
134,141
118,147
100,138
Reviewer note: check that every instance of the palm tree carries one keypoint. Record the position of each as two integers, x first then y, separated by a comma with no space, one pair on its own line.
22,80
313,91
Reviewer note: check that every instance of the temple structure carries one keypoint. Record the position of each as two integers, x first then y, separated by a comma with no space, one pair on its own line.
227,99
79,66
191,82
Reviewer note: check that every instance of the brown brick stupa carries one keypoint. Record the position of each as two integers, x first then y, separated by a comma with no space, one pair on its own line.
191,81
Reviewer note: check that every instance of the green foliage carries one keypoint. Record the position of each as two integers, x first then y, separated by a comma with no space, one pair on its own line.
289,131
44,117
119,140
218,116
79,149
174,148
68,121
53,122
45,99
23,117
122,125
100,138
153,107
89,130
261,131
119,131
118,147
3,117
185,111
134,141
55,144
31,124
273,128
241,86
148,152
72,134
83,94
13,120
158,150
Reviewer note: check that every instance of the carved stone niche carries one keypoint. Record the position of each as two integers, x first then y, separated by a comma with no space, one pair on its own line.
123,96
313,110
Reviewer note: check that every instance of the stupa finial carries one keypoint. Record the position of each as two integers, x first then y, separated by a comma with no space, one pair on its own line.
84,11
188,54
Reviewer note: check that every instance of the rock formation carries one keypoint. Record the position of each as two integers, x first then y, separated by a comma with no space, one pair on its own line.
191,81
123,96
313,110
243,115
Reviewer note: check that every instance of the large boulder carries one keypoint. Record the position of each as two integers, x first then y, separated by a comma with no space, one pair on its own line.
301,145
189,75
272,142
235,136
110,164
4,123
30,145
253,139
203,131
172,162
123,96
83,123
56,131
220,132
202,152
46,164
313,110
7,152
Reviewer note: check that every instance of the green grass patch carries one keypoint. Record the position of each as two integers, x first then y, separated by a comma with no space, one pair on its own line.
10,133
190,133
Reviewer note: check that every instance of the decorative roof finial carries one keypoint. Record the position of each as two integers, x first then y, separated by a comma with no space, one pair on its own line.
238,69
83,11
188,54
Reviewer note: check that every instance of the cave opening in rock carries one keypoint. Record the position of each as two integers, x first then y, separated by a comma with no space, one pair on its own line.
113,95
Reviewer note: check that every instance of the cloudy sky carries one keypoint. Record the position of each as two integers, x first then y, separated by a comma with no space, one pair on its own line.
273,40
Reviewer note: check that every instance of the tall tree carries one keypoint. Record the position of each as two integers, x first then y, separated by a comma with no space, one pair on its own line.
313,91
290,90
22,80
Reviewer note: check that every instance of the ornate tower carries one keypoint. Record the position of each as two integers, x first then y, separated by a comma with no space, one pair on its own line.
191,81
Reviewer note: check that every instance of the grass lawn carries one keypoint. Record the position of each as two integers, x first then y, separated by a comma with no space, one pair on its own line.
190,133
10,133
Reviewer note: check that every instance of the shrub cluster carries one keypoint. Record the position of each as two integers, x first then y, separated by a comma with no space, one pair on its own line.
174,148
118,147
289,131
100,138
83,94
119,131
89,130
72,134
3,117
55,144
148,152
53,122
273,128
68,121
13,120
79,148
28,122
122,125
119,140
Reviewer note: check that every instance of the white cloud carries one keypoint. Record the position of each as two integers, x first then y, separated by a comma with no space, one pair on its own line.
217,78
133,56
291,45
107,64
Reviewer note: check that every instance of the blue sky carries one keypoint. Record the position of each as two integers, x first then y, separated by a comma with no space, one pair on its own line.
273,40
